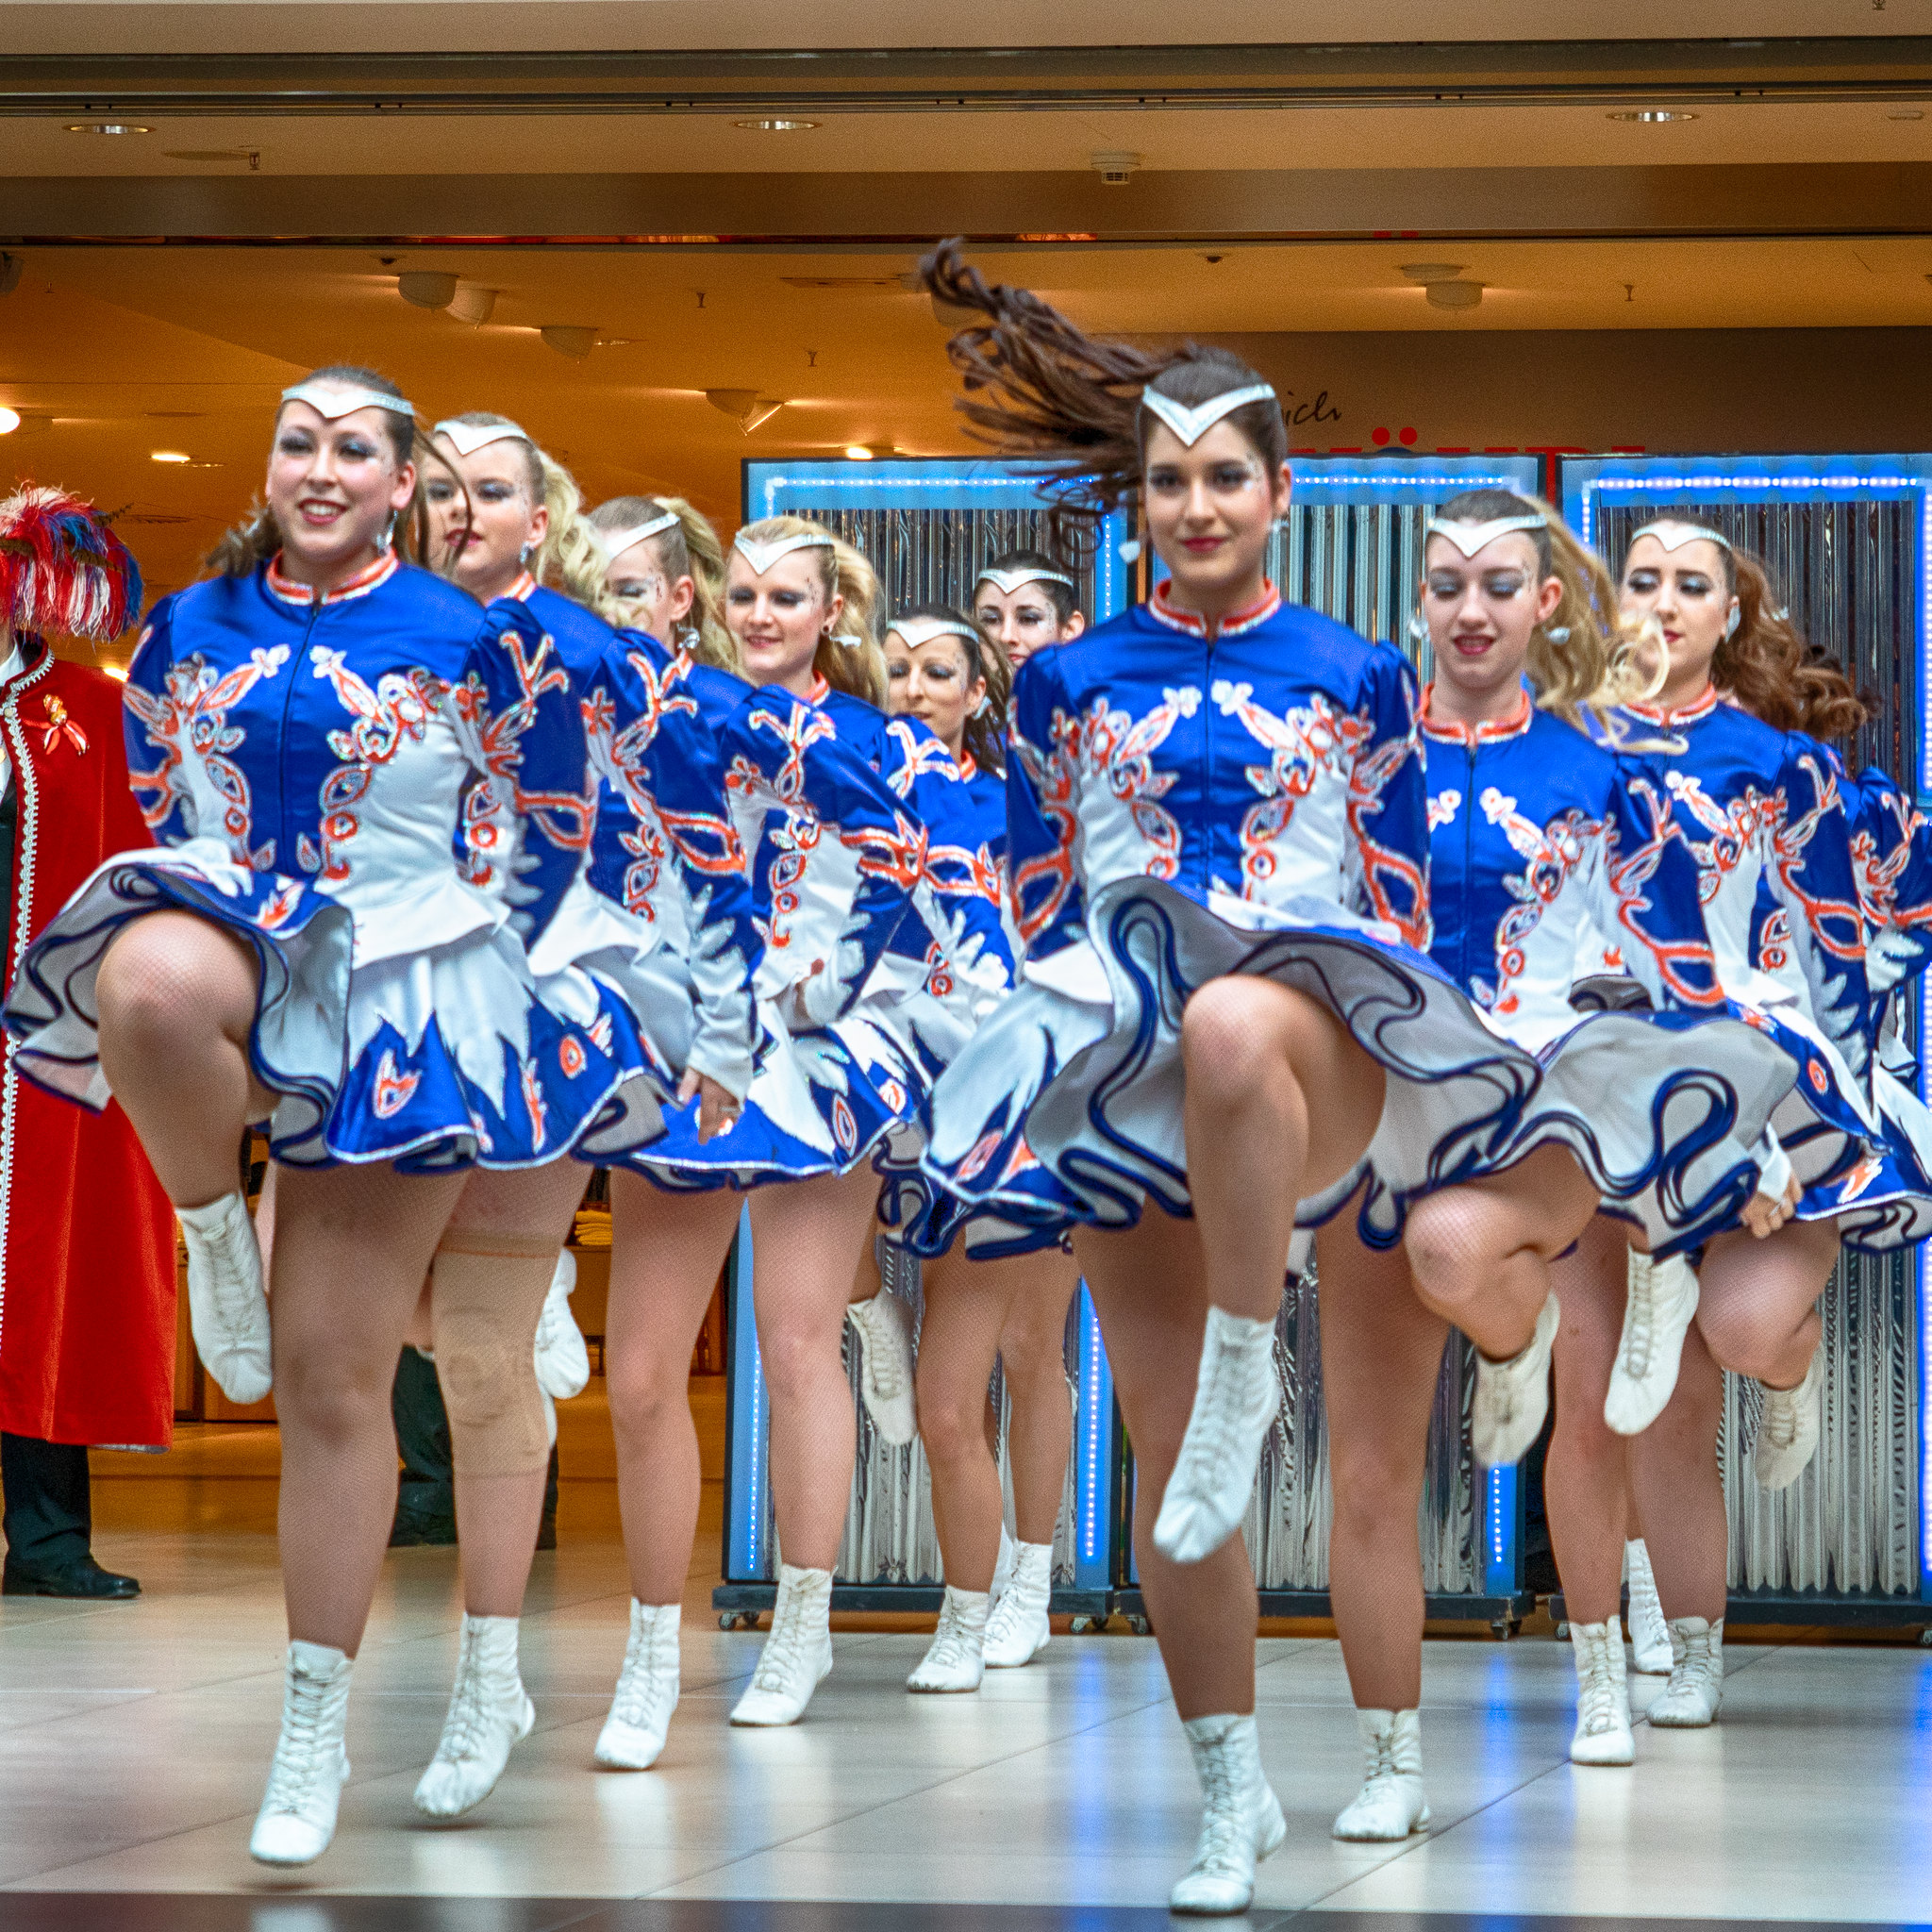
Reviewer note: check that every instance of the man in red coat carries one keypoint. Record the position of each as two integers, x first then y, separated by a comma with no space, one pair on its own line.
87,1237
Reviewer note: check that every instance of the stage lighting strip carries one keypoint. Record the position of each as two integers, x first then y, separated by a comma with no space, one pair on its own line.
1097,1407
1760,482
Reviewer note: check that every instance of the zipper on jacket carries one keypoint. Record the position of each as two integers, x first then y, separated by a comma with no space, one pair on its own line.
289,859
1468,865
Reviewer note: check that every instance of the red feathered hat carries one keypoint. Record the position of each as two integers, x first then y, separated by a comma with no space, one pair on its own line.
62,569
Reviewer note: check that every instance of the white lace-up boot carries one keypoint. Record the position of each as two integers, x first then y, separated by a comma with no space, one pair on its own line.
1240,1822
797,1656
1787,1428
297,1817
1391,1803
955,1660
634,1733
885,1368
1603,1696
490,1712
227,1307
1690,1699
1002,1566
1650,1635
1018,1630
563,1363
1237,1396
1659,1306
1512,1397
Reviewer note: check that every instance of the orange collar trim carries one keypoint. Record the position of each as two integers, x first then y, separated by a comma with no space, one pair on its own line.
1688,714
1195,626
1490,731
365,580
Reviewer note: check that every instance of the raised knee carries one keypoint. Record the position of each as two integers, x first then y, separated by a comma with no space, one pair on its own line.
1225,1034
1448,1246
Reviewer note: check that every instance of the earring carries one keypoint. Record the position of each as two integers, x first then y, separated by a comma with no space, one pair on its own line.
1418,629
1558,633
523,555
387,542
1733,620
1130,550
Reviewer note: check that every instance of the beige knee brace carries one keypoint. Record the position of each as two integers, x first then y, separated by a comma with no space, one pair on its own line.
487,1292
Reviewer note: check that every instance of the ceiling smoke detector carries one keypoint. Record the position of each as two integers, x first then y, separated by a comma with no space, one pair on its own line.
746,406
1115,166
472,304
1442,285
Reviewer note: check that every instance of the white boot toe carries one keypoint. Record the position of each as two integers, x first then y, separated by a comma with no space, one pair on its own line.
490,1714
1603,1734
297,1819
227,1306
955,1662
1236,1397
1240,1823
647,1687
797,1656
1391,1803
1512,1397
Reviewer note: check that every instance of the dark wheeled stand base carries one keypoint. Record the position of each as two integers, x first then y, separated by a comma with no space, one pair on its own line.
1503,1615
741,1604
1809,1607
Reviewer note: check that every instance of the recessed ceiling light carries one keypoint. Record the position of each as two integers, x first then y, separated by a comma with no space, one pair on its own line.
169,455
1904,114
106,128
1651,114
775,126
9,420
857,453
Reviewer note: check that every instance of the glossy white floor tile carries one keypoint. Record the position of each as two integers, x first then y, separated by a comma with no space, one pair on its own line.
133,1738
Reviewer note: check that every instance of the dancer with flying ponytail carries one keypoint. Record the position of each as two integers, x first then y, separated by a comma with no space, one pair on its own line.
369,805
1220,857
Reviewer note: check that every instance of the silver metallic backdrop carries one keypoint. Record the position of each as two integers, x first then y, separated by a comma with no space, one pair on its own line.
935,556
1359,563
1851,1523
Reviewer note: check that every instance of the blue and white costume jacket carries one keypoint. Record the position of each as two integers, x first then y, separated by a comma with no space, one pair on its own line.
385,797
872,972
1545,845
1182,807
1765,814
660,910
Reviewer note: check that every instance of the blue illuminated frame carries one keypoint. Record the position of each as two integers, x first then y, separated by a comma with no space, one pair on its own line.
813,489
1592,483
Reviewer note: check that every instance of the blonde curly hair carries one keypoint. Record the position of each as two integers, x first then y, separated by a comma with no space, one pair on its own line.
852,659
692,550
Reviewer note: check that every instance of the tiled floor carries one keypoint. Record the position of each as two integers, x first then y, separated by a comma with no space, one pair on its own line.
133,1740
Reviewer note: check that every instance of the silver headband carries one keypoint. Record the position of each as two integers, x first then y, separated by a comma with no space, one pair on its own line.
761,556
1674,536
471,436
1469,537
1007,581
330,399
1191,426
922,630
616,542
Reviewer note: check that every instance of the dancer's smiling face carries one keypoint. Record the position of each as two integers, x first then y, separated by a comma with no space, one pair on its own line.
1210,505
1481,611
778,618
334,487
488,548
1682,596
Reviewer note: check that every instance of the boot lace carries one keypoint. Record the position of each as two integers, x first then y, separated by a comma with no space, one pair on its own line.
1225,1847
464,1729
881,1350
1779,1422
953,1643
641,1686
782,1660
1640,1322
302,1752
1003,1623
233,1291
1216,1436
1382,1768
1597,1706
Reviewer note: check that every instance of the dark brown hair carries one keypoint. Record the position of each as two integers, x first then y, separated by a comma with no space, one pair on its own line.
1039,388
1766,664
986,732
1065,598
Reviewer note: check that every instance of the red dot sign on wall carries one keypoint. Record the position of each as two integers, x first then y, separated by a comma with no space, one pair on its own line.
1380,437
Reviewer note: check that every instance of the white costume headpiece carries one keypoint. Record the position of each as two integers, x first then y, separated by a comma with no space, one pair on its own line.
1469,537
1674,536
761,556
616,542
1191,426
1007,581
922,630
471,436
330,399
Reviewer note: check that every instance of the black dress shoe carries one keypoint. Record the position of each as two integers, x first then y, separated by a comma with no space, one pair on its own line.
83,1578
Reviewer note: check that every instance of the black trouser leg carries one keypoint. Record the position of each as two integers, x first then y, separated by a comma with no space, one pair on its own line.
48,1517
427,1499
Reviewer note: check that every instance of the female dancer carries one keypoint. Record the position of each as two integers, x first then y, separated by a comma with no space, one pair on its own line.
1220,861
367,807
505,514
1541,842
1026,601
666,575
1761,807
865,990
949,675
